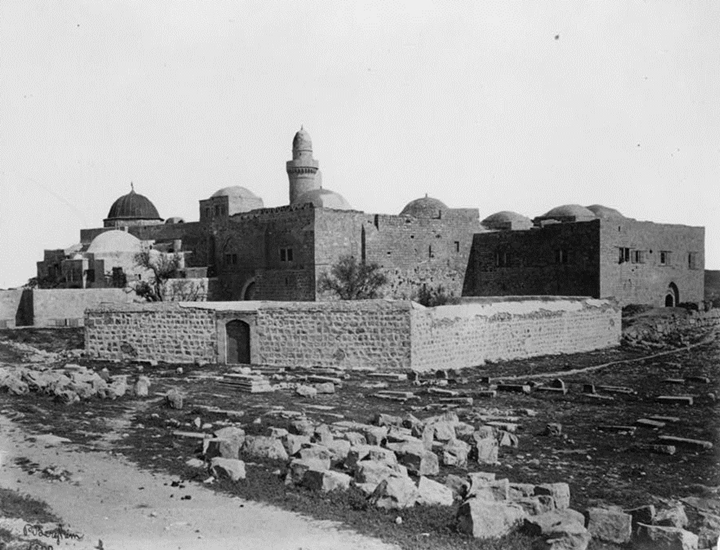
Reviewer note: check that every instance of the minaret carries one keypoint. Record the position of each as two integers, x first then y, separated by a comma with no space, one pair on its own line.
303,168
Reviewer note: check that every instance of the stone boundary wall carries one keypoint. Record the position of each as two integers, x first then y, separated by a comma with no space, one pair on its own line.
676,320
162,332
66,306
373,333
10,303
470,334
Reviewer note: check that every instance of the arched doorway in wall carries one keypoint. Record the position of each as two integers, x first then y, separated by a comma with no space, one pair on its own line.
238,342
248,291
672,298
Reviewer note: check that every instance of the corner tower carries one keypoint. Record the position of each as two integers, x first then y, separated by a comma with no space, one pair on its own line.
303,168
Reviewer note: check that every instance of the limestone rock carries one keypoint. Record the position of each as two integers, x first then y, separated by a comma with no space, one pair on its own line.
559,491
173,399
642,514
231,468
355,438
371,471
339,450
486,519
195,463
324,388
463,430
302,426
534,506
552,522
224,448
486,451
609,525
298,467
443,430
672,516
432,492
306,391
498,490
395,492
326,480
571,536
708,530
231,433
260,446
322,434
369,452
457,485
521,490
376,435
387,420
422,463
315,452
657,537
293,443
455,453
142,386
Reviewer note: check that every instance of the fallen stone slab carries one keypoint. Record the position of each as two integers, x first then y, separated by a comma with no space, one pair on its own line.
609,525
224,448
358,453
395,492
550,389
191,435
230,468
677,399
618,429
488,520
306,391
455,453
261,446
698,379
485,393
50,440
493,490
421,462
657,449
684,442
674,381
551,522
370,471
443,392
388,375
617,389
432,492
656,537
672,516
326,480
467,401
559,491
598,397
325,388
659,418
517,388
505,426
648,423
315,379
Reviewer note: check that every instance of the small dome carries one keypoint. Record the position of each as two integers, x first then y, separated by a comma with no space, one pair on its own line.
425,207
605,212
570,212
324,198
302,143
507,220
239,199
133,206
174,220
114,241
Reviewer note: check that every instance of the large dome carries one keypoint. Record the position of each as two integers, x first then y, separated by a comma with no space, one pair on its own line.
115,241
425,207
507,220
239,199
570,212
324,198
605,212
133,206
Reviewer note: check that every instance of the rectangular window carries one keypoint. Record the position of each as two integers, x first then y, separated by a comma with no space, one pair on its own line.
286,254
638,256
502,258
217,209
430,252
692,260
231,259
664,257
624,255
561,256
457,246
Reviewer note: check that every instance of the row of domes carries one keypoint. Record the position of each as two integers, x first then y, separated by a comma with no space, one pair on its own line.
138,207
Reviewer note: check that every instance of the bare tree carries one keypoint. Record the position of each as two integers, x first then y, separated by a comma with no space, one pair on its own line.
353,280
163,267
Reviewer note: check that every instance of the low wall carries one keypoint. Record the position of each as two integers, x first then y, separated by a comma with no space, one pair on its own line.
66,306
165,332
12,308
493,330
374,333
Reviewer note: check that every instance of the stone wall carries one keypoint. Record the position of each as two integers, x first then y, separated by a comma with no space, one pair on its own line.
472,333
12,312
66,306
373,333
165,332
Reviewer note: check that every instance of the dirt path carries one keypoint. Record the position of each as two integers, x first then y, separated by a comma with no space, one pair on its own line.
109,499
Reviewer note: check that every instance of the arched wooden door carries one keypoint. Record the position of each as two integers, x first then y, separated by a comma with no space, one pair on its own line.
238,342
672,298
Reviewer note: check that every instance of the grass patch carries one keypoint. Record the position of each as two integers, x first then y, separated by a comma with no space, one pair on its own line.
16,505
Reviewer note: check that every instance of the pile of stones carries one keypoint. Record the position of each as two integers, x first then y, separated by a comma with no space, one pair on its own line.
394,461
70,383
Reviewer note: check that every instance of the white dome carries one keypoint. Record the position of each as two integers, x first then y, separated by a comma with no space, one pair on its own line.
113,242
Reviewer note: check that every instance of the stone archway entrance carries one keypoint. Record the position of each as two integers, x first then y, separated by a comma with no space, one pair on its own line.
238,342
672,298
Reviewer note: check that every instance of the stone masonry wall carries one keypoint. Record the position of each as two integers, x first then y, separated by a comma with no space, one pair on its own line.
10,308
344,334
470,334
164,332
66,306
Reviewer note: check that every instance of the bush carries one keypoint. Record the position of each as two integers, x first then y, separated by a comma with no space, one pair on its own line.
353,280
434,296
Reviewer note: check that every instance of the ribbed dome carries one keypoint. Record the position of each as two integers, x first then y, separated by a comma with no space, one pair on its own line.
133,206
425,207
324,198
302,143
239,199
115,241
507,220
570,212
605,212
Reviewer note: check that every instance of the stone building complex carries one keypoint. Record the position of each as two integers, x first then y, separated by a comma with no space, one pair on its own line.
257,253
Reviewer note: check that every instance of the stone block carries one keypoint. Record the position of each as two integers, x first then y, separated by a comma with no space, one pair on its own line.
534,506
559,491
326,480
457,485
395,493
376,435
642,514
432,492
609,525
487,519
657,537
672,516
293,443
370,471
230,468
358,453
486,451
497,490
260,446
552,522
421,462
455,453
221,447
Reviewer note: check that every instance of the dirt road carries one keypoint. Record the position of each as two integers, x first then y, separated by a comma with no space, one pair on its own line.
108,499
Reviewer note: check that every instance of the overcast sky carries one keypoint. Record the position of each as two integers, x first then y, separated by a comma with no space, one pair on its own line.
496,105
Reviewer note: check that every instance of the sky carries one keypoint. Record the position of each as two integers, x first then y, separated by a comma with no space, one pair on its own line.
519,106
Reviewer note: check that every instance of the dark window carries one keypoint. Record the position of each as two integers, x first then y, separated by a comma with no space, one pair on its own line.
286,254
457,246
664,257
638,256
624,255
502,258
692,260
91,275
208,212
561,256
231,259
217,209
430,252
